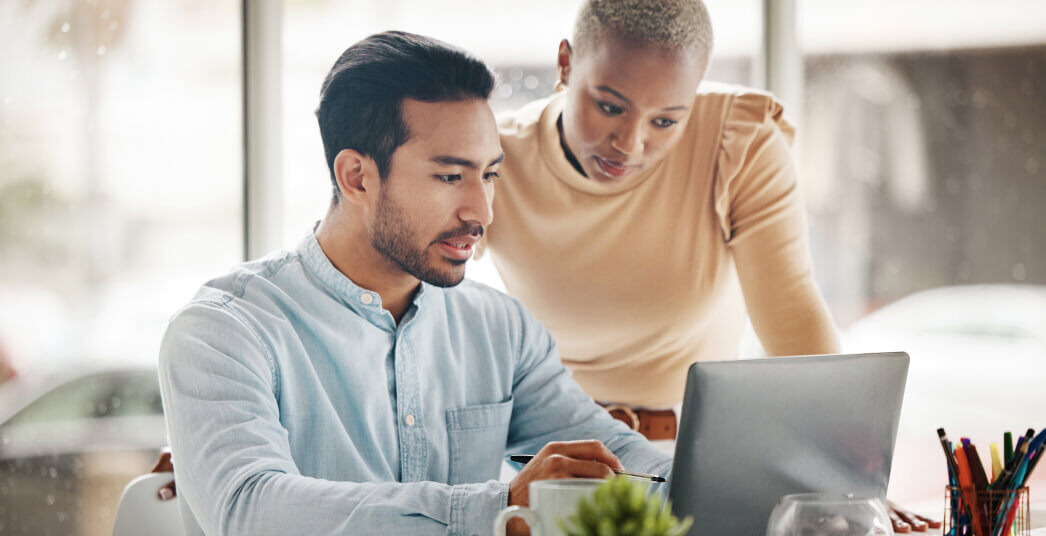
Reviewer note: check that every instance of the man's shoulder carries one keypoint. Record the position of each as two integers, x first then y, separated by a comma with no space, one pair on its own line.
238,286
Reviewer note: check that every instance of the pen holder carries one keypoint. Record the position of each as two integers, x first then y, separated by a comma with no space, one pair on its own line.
997,512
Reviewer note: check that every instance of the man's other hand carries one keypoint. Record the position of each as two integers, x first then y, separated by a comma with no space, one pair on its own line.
164,465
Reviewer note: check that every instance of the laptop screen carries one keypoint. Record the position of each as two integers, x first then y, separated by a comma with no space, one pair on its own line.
753,431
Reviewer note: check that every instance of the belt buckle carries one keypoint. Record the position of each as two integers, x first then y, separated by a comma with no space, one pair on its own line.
628,413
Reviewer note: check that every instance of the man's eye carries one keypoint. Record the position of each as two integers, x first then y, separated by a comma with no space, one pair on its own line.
664,123
610,109
491,175
449,178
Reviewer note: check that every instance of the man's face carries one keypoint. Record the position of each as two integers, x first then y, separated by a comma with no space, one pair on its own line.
436,200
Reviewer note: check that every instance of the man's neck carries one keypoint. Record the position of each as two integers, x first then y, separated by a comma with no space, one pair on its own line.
349,250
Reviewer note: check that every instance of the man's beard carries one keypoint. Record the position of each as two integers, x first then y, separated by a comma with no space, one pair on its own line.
391,238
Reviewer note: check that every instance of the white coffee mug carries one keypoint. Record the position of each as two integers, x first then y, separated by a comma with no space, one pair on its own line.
550,501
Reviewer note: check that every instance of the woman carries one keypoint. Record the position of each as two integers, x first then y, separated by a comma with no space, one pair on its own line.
637,220
638,214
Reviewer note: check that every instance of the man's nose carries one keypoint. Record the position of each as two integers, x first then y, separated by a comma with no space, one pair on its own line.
478,206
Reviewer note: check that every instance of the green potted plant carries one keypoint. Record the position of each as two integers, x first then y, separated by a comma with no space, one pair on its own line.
623,507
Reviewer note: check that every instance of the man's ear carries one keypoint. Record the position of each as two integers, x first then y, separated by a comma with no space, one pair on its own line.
355,173
563,62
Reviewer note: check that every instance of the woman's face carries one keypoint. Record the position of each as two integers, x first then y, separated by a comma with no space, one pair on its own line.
626,106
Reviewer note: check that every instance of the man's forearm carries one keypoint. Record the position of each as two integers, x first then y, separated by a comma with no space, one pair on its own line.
272,502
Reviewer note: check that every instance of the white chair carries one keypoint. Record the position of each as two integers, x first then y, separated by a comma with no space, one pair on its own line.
141,512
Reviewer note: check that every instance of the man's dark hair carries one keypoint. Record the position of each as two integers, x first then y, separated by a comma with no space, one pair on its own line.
360,100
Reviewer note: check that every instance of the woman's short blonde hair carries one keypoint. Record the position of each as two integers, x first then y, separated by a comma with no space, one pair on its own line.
657,23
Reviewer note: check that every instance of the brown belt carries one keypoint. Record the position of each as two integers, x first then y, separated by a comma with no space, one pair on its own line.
655,424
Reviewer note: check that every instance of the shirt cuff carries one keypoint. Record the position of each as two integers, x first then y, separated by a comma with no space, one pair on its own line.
473,508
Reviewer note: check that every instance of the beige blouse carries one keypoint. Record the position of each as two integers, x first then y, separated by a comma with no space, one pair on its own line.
638,281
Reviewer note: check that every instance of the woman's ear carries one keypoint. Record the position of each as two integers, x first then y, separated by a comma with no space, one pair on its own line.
563,62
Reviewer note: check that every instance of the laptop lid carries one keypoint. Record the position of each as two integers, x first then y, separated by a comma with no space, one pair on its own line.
755,430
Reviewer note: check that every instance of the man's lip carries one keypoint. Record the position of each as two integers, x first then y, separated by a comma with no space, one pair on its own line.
451,249
468,240
613,168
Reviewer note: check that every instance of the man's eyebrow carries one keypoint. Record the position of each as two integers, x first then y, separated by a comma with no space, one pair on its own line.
451,160
611,90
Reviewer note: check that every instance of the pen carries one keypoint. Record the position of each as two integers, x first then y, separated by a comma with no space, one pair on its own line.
525,458
958,513
996,461
969,492
1024,454
948,456
1016,447
980,478
1035,460
1035,453
1020,452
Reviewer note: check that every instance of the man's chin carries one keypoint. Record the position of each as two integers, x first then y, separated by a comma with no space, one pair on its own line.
446,280
449,277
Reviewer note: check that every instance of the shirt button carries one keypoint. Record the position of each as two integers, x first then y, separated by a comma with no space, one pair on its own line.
409,419
367,298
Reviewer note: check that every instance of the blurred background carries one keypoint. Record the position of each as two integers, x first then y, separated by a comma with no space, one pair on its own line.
124,186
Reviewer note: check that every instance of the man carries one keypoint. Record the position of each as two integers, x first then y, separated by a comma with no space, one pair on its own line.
353,385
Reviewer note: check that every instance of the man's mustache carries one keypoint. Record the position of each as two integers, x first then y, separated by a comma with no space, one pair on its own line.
468,229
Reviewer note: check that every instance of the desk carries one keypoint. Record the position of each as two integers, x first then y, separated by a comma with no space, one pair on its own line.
1038,518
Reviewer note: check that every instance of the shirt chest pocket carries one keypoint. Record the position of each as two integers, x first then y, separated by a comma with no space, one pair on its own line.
478,435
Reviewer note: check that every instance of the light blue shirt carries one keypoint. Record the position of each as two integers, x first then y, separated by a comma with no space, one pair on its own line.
296,405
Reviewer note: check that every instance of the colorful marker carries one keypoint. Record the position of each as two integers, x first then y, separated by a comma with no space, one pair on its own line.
996,461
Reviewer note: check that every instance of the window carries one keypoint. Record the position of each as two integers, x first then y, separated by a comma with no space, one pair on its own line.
922,164
120,171
97,396
120,193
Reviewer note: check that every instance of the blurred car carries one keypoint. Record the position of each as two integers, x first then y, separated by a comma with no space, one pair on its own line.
978,369
70,442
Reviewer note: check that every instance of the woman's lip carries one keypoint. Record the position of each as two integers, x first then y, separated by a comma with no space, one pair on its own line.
455,252
611,168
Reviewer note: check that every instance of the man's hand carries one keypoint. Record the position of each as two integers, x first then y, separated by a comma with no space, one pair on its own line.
905,521
560,459
563,459
164,465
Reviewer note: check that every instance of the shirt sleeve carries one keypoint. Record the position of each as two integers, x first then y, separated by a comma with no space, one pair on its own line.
763,221
550,406
234,465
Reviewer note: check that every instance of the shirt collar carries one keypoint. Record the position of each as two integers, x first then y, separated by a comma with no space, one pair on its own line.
363,302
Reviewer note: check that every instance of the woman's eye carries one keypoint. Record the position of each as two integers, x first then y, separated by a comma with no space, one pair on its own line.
610,109
664,123
491,176
449,178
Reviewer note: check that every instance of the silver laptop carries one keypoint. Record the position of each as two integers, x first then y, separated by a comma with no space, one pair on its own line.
755,430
